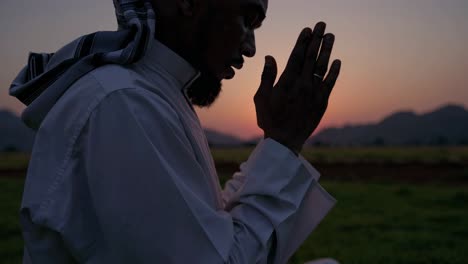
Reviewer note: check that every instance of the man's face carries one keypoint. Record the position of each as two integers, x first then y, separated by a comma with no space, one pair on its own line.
224,34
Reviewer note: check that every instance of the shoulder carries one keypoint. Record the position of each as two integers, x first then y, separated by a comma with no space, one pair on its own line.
135,104
96,100
98,93
107,85
112,77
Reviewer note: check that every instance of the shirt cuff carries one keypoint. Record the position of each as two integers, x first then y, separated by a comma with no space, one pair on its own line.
295,230
288,175
274,170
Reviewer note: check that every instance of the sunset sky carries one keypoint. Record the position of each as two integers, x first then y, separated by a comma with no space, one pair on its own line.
397,55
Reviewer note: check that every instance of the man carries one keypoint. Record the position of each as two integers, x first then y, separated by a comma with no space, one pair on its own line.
121,171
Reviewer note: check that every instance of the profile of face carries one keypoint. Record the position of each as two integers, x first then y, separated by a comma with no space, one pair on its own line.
222,35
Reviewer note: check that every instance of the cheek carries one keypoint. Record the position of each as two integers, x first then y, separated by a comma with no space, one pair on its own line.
230,36
236,30
224,43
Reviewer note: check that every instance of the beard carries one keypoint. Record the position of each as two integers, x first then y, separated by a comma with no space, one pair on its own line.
204,90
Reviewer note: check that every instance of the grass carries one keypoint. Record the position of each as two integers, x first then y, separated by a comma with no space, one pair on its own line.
13,161
11,243
376,223
326,155
371,223
381,155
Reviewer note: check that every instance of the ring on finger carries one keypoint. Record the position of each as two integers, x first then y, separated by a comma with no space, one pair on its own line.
318,76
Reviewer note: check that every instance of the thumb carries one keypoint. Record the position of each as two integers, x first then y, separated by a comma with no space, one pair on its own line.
270,70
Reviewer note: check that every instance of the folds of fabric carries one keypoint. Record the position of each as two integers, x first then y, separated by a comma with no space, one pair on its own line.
47,76
126,184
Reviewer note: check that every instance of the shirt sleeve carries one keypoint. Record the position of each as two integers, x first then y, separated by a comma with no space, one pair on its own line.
149,193
312,208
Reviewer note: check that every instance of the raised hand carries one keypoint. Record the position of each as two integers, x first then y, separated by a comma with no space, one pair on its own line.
291,110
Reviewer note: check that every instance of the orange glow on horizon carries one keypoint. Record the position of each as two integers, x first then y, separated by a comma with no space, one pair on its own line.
397,55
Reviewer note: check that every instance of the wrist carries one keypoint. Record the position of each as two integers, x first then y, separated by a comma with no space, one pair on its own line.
293,149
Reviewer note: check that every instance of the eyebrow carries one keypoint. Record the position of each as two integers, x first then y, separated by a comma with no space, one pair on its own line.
257,7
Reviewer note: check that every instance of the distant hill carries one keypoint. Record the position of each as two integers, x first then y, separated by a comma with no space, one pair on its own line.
447,125
14,134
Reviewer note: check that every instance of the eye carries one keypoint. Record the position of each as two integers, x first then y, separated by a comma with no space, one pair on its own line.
252,20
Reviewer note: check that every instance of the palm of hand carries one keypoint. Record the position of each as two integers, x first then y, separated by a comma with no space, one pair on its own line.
291,110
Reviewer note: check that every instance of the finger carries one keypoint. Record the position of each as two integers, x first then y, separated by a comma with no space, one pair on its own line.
332,76
296,59
321,67
313,49
270,71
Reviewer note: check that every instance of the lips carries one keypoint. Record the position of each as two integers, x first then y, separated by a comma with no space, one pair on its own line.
229,73
237,65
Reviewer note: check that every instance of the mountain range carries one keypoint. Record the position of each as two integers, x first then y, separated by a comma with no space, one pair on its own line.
14,134
447,125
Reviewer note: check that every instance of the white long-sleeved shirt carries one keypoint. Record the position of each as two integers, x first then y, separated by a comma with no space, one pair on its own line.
121,172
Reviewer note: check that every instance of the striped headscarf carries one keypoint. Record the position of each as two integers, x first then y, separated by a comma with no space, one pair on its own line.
48,75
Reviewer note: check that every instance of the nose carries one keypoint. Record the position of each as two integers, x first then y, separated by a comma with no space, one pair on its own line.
248,46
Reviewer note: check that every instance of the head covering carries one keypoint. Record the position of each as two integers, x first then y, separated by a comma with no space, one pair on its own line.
47,76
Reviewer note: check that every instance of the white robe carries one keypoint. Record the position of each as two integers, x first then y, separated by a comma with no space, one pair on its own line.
121,172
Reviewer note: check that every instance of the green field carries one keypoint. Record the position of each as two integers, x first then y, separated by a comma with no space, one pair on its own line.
13,161
389,221
350,155
371,223
332,155
11,244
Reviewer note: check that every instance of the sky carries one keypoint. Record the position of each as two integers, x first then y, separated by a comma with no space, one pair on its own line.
396,55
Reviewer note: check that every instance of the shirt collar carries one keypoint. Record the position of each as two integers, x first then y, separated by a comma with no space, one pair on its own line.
158,56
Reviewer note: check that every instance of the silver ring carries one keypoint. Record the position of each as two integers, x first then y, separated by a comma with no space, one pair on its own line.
319,76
